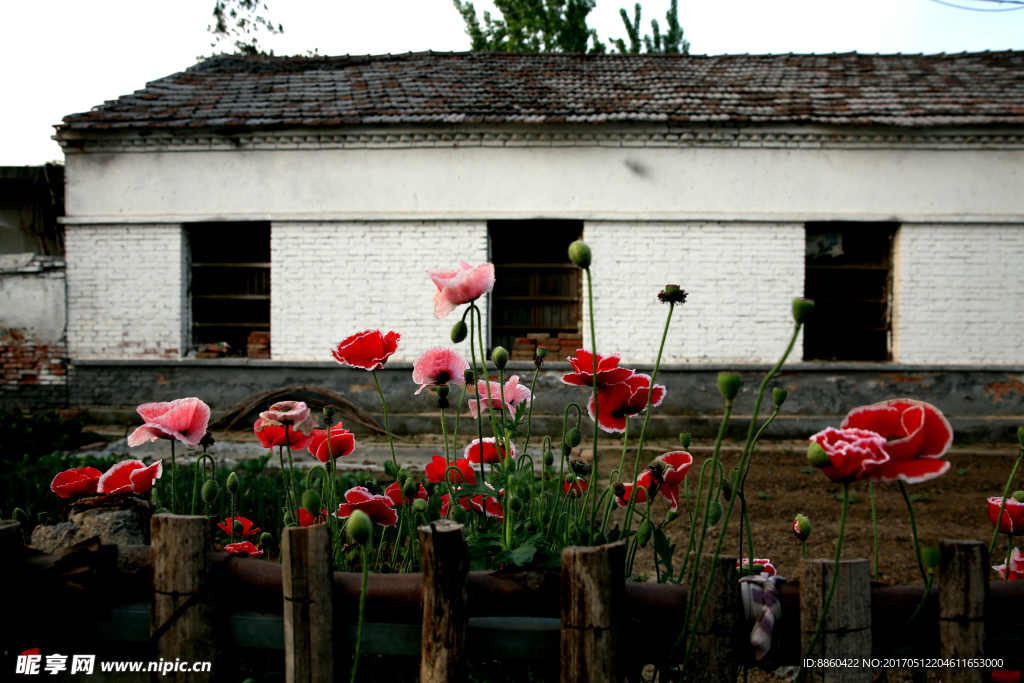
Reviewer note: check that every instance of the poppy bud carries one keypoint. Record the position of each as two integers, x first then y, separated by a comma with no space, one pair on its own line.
468,376
442,391
311,502
419,505
817,456
685,439
569,477
779,396
643,533
409,490
289,518
499,357
529,526
459,331
390,468
579,253
715,513
580,467
802,309
573,437
541,352
1018,496
237,528
359,528
566,449
459,515
729,385
210,490
371,484
20,515
801,528
329,411
207,440
671,516
930,557
232,483
756,568
549,458
727,490
266,537
517,505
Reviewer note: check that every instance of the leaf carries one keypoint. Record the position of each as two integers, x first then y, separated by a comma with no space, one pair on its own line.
663,551
475,490
806,470
521,556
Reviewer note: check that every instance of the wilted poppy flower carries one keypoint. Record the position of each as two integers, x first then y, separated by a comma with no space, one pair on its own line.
343,442
491,507
247,528
73,482
629,397
368,349
394,492
644,483
306,519
766,563
378,508
608,370
575,489
854,454
917,435
437,468
1012,521
243,548
514,393
675,466
439,365
184,419
130,476
491,452
1016,567
293,413
460,286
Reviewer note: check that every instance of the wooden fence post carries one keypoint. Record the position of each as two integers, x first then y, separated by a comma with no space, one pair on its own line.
445,558
963,587
593,596
182,614
715,646
11,553
307,580
847,630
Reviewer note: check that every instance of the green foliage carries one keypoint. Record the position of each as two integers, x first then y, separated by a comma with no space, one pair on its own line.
35,435
671,42
240,24
532,26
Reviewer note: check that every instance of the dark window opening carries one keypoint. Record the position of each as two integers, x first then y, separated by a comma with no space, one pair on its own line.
848,274
229,289
537,291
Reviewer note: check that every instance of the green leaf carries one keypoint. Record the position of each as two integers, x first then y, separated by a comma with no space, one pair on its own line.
475,490
806,470
663,551
521,556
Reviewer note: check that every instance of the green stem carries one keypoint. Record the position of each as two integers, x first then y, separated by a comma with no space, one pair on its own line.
455,434
174,488
444,431
874,523
835,574
362,609
593,351
231,527
291,474
476,392
913,530
924,598
529,411
195,481
1002,505
387,428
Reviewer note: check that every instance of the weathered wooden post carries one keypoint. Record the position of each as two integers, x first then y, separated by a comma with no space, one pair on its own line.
846,633
10,554
182,613
963,587
445,558
593,596
714,656
306,574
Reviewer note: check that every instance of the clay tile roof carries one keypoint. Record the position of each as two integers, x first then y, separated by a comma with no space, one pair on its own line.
484,87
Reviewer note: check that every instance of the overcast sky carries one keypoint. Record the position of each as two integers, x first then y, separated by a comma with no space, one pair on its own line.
63,56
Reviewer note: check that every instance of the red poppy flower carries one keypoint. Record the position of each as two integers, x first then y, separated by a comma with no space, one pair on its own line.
248,530
644,483
575,489
676,465
513,391
608,370
130,476
766,563
368,349
438,467
73,482
293,413
491,452
917,434
1012,521
343,442
243,548
855,454
394,492
306,519
491,507
439,365
1005,676
379,508
184,419
1016,567
629,397
460,286
273,434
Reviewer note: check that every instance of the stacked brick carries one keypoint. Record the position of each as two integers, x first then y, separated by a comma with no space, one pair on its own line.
26,363
258,345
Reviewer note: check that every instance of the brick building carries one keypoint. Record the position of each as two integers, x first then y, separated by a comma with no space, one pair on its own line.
304,197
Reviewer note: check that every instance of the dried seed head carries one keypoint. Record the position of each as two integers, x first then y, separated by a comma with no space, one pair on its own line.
672,294
580,467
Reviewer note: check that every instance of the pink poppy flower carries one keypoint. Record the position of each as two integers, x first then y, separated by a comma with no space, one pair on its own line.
491,452
342,443
1016,567
575,489
769,569
608,370
514,393
130,476
243,548
184,419
394,492
460,286
1012,521
73,482
855,454
368,349
248,530
293,413
491,507
627,398
306,519
437,366
438,467
379,508
675,464
917,435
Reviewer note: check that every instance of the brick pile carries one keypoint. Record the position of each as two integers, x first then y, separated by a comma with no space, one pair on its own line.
258,345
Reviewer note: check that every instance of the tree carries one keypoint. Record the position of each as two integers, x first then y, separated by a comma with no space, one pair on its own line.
672,42
533,26
241,23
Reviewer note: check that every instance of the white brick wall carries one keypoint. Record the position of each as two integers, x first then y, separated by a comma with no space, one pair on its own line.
741,279
958,293
329,280
126,291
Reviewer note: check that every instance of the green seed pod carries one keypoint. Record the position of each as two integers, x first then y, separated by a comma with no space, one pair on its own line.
419,505
329,411
549,458
499,357
459,515
802,309
232,483
817,456
930,558
685,439
569,477
779,396
1018,496
237,528
643,533
529,526
573,437
729,385
359,528
579,253
289,518
517,505
409,489
459,332
671,516
442,391
468,376
802,528
266,537
541,352
715,513
311,502
210,490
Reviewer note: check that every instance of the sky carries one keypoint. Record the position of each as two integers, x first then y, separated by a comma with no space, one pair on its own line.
63,56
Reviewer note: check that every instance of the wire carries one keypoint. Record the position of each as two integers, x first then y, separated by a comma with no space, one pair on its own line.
977,9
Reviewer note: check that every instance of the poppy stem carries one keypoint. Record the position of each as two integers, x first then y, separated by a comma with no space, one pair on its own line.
362,608
291,474
174,492
387,428
913,530
611,482
231,526
529,411
195,481
458,412
874,523
593,351
924,598
444,431
1002,505
479,408
506,517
